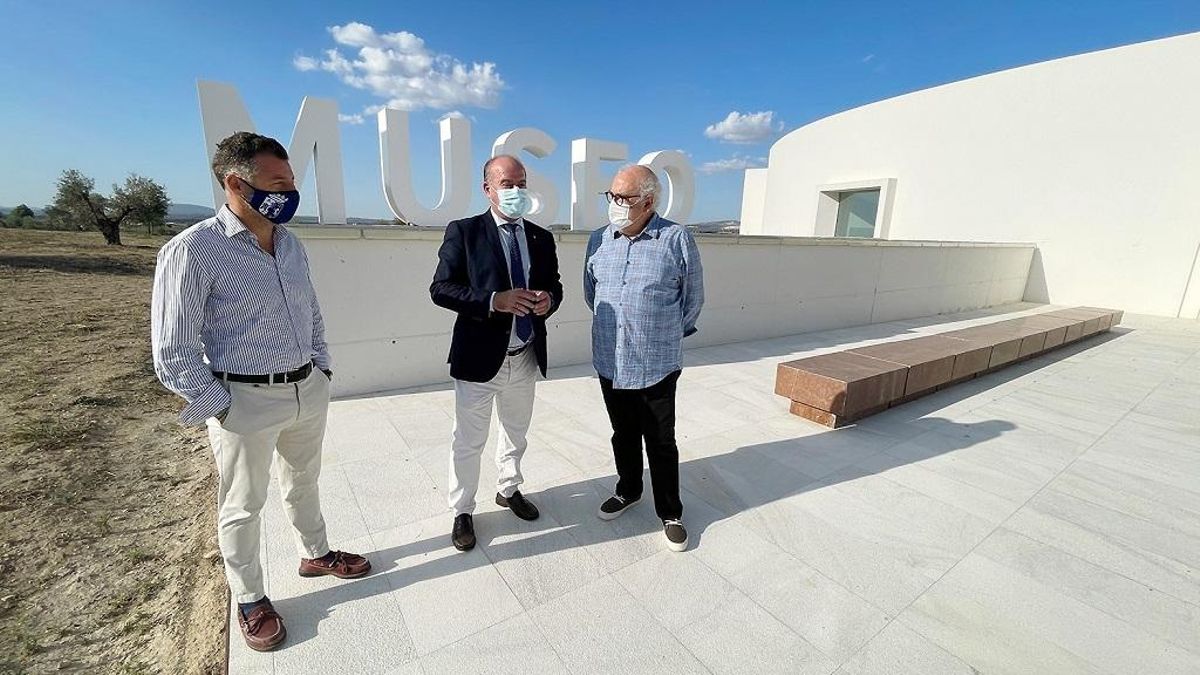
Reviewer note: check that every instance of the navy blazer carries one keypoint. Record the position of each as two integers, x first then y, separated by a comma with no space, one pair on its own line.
471,266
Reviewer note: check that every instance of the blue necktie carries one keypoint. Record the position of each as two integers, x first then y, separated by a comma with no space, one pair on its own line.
517,270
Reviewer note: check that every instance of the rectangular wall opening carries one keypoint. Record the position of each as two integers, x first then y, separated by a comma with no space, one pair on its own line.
858,210
857,214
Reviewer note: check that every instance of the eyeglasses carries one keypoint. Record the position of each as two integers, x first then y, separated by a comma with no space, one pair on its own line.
622,200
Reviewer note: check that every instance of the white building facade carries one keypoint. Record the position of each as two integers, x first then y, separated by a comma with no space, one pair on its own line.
1094,158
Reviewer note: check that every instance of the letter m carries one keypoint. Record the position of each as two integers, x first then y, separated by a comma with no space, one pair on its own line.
315,139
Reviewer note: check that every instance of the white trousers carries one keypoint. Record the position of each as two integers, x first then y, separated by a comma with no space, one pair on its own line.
512,390
263,419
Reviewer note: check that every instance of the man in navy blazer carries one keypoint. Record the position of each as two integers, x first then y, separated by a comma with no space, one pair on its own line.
499,272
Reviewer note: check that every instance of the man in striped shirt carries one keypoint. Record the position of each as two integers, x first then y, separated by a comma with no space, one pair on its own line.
237,332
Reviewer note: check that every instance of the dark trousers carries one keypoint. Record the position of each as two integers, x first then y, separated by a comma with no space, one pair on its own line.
650,414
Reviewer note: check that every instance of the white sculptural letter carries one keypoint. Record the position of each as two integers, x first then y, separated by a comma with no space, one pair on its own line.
315,139
680,178
539,144
586,181
397,170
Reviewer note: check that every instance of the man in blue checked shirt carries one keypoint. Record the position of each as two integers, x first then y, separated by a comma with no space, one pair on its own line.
236,330
643,281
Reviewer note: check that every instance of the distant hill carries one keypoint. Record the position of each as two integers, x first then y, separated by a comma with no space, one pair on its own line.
176,213
708,227
37,210
717,227
186,214
183,213
190,213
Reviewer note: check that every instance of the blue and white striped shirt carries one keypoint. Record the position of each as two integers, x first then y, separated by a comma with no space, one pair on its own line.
221,303
645,294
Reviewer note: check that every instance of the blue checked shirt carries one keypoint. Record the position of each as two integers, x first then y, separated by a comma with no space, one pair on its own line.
645,295
221,303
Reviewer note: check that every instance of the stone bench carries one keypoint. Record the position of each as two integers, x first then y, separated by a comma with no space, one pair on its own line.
838,388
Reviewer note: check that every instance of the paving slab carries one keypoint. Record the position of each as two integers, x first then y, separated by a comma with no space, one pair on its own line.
1041,518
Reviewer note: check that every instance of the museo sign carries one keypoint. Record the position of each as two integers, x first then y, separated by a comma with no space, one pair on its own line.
316,139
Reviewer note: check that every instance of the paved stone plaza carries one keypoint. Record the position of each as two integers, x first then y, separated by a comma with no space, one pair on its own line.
1041,519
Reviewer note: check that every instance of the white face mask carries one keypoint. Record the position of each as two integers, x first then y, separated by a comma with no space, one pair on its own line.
619,215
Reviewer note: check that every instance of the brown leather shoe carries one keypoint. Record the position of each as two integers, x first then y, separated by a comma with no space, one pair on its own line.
344,566
262,628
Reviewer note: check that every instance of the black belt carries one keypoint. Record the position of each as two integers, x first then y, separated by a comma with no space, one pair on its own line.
274,378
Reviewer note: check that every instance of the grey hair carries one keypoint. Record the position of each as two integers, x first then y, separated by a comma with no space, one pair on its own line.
648,185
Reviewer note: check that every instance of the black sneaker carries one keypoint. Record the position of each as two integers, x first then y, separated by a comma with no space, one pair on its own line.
676,535
614,506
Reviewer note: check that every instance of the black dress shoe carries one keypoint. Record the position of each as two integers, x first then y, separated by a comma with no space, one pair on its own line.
519,505
463,534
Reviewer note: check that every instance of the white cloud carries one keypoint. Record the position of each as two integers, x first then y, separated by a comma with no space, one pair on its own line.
748,128
453,115
305,63
399,68
868,58
356,118
735,163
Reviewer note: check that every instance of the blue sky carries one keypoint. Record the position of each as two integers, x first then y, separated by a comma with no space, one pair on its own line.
110,88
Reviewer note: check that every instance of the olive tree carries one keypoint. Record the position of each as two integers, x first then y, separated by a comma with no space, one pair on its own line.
140,200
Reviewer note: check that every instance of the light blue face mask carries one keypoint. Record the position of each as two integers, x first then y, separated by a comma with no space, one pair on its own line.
513,202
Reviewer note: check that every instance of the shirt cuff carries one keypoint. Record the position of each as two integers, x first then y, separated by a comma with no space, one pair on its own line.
492,303
211,401
322,361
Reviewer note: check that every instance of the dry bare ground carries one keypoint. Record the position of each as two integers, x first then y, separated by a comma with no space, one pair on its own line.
107,550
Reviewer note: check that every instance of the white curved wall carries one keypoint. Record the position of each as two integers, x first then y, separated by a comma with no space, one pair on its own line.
385,333
1094,158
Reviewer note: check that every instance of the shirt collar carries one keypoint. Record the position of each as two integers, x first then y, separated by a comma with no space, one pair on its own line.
232,225
501,222
653,228
230,222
